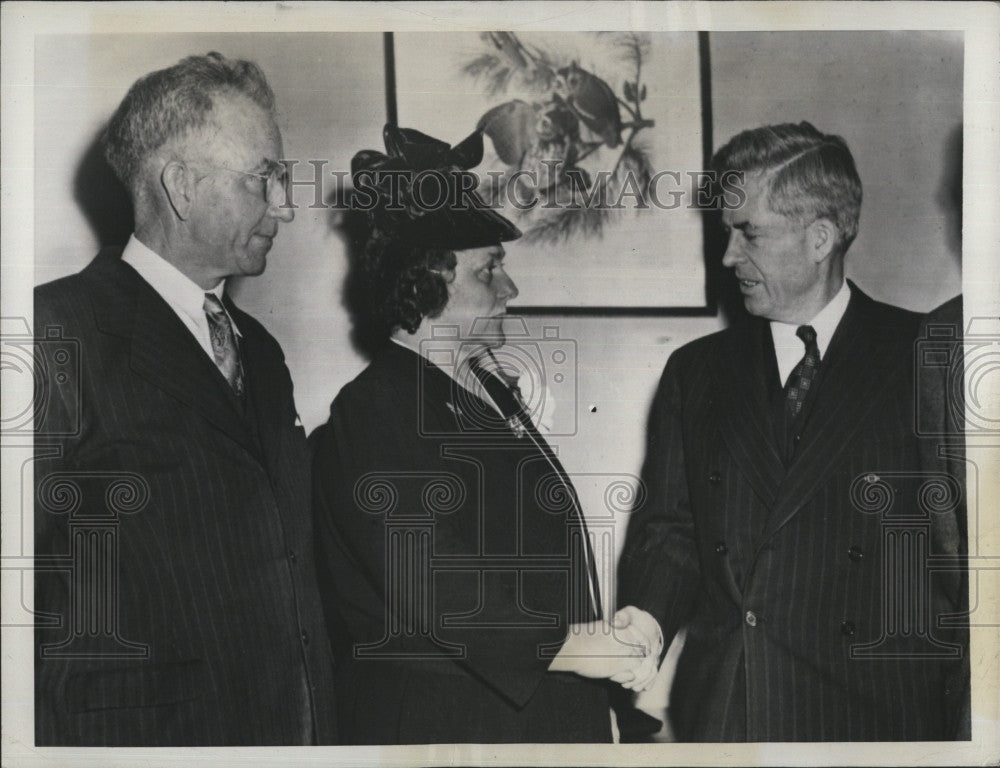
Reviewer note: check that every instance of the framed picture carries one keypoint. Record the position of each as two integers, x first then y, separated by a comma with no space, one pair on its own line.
595,145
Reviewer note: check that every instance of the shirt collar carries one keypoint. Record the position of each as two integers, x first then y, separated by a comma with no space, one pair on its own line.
176,288
824,323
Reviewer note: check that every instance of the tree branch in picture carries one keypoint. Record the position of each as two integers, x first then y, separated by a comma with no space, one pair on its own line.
572,115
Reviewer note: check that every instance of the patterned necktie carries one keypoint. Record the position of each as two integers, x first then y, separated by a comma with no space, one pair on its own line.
804,373
508,399
225,348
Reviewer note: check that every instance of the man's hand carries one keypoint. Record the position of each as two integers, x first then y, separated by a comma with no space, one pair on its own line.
640,677
601,650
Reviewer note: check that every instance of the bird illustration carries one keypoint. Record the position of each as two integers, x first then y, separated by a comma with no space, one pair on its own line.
593,101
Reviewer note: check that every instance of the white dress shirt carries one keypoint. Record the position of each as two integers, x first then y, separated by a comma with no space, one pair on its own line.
184,296
789,348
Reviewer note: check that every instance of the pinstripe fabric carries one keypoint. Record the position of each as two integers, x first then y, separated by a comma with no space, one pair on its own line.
942,405
728,531
216,578
398,421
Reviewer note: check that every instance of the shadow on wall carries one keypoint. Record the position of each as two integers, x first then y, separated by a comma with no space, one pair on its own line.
351,226
949,194
101,197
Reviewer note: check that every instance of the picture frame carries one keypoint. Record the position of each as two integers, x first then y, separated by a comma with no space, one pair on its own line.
604,179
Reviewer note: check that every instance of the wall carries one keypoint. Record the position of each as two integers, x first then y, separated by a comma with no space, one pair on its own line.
895,97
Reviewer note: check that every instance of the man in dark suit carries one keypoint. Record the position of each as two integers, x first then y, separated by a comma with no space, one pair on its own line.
786,524
175,581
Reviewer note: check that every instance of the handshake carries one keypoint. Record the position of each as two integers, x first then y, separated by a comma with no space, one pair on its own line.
625,650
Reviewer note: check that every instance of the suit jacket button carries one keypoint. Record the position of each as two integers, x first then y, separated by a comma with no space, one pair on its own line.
751,618
292,556
721,548
855,554
847,627
305,637
714,478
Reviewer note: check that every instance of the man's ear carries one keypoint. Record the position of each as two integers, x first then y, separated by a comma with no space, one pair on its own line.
823,236
178,183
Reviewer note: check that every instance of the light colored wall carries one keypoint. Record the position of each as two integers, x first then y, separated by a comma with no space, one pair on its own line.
895,97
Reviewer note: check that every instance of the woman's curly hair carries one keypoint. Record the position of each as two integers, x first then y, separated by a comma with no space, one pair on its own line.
396,285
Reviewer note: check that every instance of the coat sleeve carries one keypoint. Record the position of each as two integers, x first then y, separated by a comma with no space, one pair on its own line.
659,569
369,469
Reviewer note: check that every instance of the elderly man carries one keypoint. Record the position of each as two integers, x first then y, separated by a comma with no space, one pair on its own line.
195,620
781,525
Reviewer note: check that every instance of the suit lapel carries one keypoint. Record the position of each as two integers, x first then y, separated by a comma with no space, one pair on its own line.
446,407
164,353
742,374
853,378
270,412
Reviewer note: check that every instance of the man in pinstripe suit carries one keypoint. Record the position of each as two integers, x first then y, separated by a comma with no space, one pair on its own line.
781,452
175,582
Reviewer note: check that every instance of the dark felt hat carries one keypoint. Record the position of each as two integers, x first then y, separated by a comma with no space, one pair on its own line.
421,192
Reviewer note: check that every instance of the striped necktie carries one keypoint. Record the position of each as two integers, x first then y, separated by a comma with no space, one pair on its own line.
225,347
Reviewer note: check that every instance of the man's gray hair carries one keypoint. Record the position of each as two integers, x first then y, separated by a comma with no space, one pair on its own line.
169,103
808,174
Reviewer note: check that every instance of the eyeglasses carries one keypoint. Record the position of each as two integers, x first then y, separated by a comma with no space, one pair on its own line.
275,179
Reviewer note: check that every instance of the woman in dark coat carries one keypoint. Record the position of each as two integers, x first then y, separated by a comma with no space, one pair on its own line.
459,582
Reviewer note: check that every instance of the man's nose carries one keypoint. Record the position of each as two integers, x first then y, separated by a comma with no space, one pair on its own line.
282,210
732,256
508,289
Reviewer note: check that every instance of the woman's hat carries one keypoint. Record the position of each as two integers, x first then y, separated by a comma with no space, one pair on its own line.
421,192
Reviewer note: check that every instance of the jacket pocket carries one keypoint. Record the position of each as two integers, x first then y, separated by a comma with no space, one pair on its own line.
148,685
